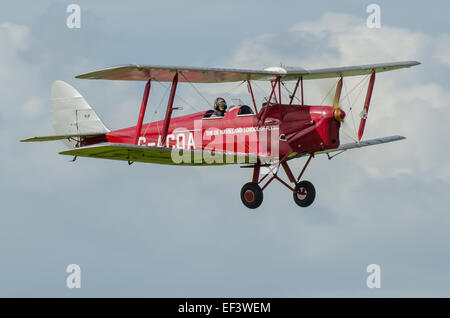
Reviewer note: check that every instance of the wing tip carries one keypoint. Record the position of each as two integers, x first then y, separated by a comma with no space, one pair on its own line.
414,63
31,139
92,74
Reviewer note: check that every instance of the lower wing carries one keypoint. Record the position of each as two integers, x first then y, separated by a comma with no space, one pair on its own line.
168,156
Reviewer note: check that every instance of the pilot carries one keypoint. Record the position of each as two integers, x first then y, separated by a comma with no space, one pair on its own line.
220,107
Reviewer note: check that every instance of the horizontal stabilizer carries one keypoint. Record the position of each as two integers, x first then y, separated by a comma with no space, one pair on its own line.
62,137
168,156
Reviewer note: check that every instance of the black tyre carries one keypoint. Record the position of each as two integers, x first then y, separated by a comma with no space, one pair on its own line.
251,195
307,193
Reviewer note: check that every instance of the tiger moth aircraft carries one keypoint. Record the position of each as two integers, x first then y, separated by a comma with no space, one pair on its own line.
263,139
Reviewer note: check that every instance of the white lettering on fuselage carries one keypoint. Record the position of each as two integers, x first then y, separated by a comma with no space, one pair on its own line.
179,139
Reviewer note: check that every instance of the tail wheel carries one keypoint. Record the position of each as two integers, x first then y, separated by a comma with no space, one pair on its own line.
251,195
306,195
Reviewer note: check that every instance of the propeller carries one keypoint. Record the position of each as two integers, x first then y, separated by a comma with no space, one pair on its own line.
339,114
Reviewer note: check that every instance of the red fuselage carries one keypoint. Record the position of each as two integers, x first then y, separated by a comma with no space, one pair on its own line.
293,128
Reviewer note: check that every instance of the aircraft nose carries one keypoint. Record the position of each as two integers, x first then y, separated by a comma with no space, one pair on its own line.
339,114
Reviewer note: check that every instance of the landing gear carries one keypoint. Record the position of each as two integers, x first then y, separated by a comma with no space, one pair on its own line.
251,195
305,195
303,191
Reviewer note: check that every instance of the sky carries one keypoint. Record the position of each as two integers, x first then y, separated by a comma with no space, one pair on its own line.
162,231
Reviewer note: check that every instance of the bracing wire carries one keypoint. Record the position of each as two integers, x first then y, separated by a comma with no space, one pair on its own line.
159,106
182,99
329,92
351,114
195,88
259,87
362,80
352,103
290,93
230,91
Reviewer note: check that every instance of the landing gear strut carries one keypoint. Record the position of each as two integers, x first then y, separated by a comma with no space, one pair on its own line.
303,192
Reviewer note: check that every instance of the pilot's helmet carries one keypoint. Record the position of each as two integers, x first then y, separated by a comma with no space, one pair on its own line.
218,102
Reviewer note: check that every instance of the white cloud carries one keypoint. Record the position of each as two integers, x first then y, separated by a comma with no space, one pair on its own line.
334,39
14,40
33,107
17,37
442,52
406,102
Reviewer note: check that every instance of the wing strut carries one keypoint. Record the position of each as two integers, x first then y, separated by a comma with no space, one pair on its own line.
142,112
366,106
274,85
253,97
295,91
301,89
279,92
169,110
263,114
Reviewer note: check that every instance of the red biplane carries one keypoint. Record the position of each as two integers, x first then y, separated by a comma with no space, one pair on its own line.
262,139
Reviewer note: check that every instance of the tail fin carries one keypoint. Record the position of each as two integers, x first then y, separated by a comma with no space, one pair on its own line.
72,115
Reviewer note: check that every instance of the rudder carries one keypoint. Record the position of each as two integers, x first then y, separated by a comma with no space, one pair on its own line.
71,114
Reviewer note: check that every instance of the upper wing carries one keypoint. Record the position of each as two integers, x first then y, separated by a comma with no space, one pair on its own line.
346,70
168,156
218,75
186,74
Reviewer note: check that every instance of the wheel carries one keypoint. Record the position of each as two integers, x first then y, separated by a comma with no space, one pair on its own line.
307,193
251,195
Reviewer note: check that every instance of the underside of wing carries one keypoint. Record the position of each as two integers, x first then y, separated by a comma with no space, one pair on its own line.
158,73
168,156
293,74
186,74
354,145
365,143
